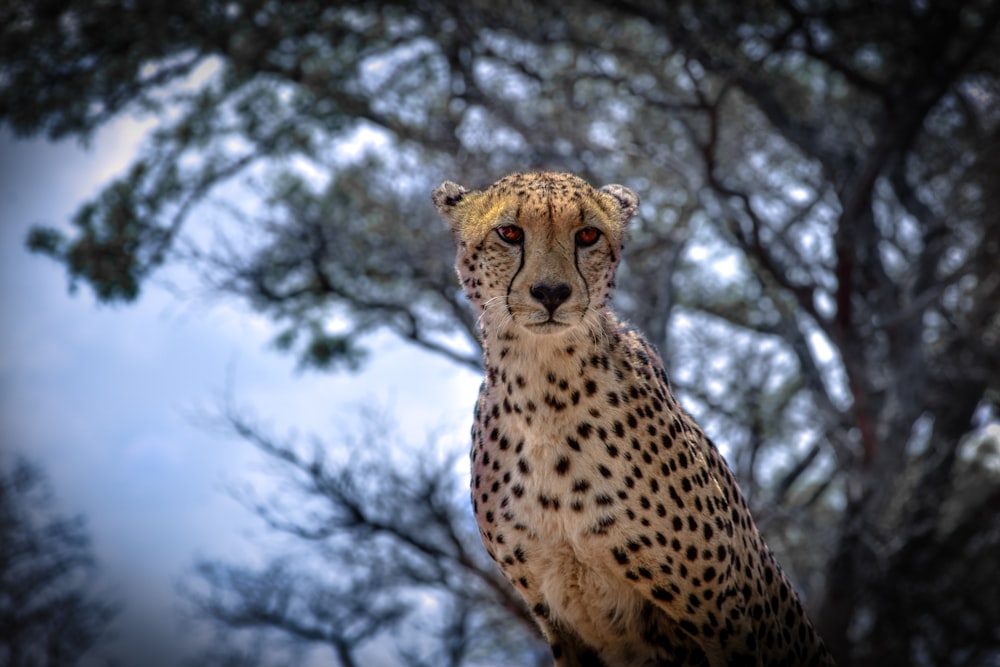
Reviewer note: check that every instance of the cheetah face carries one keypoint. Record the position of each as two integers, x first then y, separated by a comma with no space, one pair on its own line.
537,251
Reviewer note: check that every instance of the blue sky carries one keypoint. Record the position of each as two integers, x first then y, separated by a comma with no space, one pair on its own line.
106,399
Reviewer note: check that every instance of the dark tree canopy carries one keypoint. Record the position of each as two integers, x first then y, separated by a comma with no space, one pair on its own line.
51,613
816,251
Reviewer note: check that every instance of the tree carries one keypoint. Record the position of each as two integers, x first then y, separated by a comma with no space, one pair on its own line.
51,613
386,550
816,252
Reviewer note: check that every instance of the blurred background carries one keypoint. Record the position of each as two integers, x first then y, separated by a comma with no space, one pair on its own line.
237,373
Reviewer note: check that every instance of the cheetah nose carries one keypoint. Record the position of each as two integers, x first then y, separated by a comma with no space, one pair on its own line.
551,296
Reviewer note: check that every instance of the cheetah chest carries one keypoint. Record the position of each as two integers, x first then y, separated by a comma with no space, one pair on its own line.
548,500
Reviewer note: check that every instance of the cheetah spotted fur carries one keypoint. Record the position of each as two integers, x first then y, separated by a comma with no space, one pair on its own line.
606,506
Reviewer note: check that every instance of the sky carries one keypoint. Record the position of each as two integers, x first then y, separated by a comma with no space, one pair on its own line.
111,401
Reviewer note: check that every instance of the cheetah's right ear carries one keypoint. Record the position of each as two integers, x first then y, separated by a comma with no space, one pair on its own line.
446,196
628,200
470,213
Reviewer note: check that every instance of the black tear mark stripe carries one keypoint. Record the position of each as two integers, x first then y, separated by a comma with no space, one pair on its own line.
576,265
520,266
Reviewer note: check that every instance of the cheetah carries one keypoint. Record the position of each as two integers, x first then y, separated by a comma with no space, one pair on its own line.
602,501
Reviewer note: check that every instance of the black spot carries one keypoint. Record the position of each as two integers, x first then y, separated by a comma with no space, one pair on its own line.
661,593
689,627
554,402
562,465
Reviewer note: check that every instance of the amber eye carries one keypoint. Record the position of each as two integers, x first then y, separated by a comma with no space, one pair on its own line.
511,233
587,236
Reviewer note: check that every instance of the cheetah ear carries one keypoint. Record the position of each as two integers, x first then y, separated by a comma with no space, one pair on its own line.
469,212
446,196
628,200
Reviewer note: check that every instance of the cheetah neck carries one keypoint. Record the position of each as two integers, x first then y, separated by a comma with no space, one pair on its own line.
520,351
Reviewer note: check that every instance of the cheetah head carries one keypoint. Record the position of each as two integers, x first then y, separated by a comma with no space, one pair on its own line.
537,251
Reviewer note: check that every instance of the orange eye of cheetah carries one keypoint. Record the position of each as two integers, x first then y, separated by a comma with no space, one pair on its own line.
511,233
587,236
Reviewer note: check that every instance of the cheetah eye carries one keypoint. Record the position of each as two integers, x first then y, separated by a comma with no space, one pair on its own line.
587,236
511,233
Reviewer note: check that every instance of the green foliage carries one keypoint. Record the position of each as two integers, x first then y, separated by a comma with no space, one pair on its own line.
322,351
115,247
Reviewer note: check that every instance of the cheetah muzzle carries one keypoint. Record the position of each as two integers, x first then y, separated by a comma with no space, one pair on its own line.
602,501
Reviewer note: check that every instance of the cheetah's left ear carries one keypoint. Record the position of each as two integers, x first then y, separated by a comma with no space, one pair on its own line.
628,200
